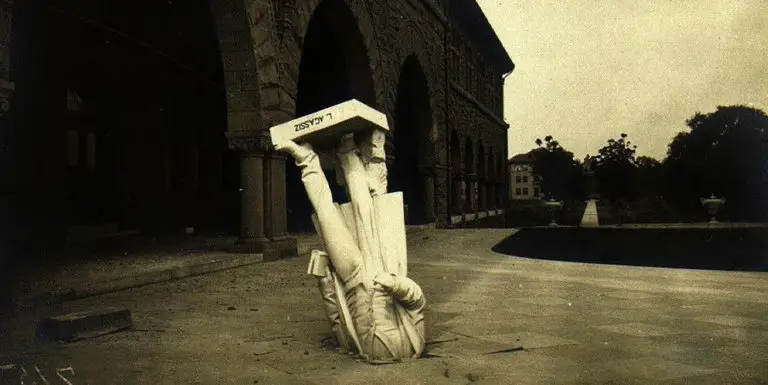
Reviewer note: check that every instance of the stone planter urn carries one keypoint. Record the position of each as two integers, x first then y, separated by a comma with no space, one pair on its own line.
553,207
713,206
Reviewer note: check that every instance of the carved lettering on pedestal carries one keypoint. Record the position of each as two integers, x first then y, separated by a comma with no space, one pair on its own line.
312,122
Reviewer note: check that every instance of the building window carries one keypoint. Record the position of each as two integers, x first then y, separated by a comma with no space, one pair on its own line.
518,179
525,190
525,178
535,191
518,191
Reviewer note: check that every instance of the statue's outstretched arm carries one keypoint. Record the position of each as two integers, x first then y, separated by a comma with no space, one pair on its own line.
404,289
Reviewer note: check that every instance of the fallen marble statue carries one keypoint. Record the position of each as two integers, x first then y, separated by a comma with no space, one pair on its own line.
374,309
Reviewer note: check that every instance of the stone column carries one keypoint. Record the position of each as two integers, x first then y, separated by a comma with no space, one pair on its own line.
473,196
252,218
281,245
442,210
262,201
429,193
457,200
483,190
492,195
473,193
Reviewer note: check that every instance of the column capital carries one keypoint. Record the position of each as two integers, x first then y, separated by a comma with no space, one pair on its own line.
250,141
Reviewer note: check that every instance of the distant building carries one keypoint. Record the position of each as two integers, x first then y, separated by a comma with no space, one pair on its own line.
524,184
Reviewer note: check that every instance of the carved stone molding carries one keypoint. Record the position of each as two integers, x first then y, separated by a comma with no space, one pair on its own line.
501,124
250,141
6,89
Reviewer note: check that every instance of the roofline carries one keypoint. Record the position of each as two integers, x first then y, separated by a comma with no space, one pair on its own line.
483,27
507,64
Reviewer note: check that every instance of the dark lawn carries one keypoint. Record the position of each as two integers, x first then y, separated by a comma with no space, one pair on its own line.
715,249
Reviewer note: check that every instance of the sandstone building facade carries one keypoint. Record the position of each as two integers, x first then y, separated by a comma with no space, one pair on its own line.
153,115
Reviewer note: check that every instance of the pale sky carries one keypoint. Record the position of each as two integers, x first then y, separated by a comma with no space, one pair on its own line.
587,71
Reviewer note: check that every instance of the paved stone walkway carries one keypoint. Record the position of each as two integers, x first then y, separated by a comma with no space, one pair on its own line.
134,262
577,324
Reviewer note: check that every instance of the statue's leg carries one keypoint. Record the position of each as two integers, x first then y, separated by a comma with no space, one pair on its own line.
357,181
345,255
343,252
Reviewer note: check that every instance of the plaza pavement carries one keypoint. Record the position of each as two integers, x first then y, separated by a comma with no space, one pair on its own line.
576,323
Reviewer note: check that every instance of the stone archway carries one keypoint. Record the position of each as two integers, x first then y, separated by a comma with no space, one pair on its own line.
352,21
334,67
150,133
414,137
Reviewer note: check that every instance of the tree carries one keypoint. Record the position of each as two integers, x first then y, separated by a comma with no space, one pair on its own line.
648,175
724,153
615,168
647,162
560,173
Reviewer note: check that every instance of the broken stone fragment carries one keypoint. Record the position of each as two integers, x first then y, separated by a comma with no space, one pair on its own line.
86,324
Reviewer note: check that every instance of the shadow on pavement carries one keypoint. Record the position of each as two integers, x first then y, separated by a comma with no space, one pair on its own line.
742,249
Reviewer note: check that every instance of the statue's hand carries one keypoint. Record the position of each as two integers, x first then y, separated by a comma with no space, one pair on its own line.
377,177
298,152
386,280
